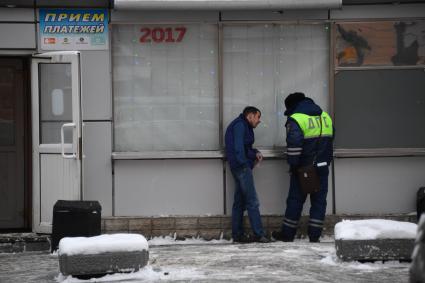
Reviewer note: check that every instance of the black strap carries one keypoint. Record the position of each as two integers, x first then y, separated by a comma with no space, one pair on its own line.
317,141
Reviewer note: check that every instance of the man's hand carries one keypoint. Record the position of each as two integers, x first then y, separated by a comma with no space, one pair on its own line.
259,157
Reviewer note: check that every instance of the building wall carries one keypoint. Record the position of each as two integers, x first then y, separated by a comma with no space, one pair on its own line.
187,186
360,184
168,187
378,185
17,29
97,127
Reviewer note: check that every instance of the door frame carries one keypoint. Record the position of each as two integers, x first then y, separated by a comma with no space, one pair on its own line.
72,151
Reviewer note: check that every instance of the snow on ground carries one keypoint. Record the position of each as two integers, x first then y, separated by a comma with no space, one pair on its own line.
299,261
146,274
168,240
372,229
102,243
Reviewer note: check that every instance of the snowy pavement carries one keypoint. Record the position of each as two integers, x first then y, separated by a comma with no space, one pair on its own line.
219,261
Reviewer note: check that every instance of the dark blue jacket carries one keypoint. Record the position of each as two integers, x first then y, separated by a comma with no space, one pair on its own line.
295,138
239,139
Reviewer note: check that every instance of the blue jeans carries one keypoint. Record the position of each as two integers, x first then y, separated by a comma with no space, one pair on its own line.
245,198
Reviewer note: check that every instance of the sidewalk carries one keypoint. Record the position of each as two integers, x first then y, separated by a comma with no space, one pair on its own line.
222,262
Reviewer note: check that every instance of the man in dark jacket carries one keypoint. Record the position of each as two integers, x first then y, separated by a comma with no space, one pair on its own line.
242,158
309,138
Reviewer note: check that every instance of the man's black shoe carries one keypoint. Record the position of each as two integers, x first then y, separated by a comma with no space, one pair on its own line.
278,235
243,239
260,239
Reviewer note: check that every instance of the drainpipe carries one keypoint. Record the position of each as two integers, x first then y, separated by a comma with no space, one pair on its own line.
225,4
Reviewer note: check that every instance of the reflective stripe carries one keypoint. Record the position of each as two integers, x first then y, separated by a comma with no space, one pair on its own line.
315,225
290,221
313,137
293,153
294,148
316,220
289,225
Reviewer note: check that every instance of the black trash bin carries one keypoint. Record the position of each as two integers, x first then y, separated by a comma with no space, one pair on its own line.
75,219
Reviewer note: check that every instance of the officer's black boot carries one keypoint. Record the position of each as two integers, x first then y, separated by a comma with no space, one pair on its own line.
280,236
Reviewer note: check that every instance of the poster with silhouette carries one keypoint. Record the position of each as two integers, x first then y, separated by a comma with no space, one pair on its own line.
396,43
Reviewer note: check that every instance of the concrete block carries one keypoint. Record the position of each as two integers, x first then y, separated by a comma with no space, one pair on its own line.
371,250
103,263
209,222
116,224
182,234
165,223
37,246
226,223
162,232
227,234
139,224
12,247
275,222
185,223
210,234
246,223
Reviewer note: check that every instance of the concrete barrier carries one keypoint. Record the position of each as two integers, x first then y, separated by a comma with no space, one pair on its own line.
372,250
104,254
374,239
103,263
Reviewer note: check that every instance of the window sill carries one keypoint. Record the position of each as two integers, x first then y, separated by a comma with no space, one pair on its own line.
379,152
216,154
268,154
189,154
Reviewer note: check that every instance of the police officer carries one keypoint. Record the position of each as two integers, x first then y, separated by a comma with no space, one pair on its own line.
309,138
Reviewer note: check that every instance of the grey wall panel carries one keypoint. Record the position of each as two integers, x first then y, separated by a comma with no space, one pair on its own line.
379,11
17,36
168,187
16,15
163,16
274,15
97,170
96,85
79,3
272,184
378,185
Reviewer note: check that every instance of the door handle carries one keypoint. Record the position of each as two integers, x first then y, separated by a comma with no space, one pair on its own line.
64,155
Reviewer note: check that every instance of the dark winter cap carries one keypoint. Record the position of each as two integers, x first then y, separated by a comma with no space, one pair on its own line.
293,99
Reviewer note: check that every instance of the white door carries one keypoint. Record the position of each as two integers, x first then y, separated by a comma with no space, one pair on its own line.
57,133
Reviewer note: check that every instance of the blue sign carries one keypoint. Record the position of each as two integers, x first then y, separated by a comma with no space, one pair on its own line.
74,29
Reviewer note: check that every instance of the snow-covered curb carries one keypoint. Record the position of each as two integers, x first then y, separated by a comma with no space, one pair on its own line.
373,229
102,244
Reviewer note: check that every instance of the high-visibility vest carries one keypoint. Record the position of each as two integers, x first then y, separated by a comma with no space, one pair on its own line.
310,125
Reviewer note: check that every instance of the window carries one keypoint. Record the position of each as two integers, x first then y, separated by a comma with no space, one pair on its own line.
380,109
264,63
55,102
165,87
379,85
